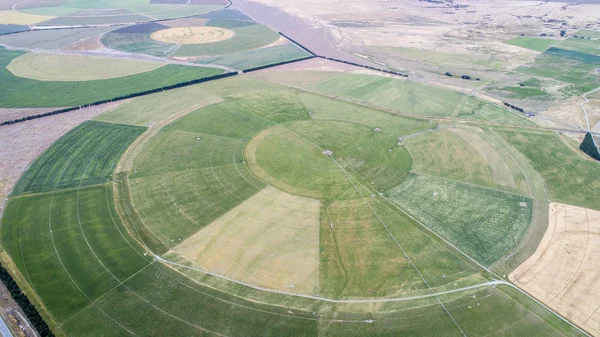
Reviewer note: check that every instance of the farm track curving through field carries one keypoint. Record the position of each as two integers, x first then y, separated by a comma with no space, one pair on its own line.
584,109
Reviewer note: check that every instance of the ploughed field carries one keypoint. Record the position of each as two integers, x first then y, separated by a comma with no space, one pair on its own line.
240,207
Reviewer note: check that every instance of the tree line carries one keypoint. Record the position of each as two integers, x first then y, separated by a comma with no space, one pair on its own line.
30,311
277,64
338,60
120,98
588,146
514,107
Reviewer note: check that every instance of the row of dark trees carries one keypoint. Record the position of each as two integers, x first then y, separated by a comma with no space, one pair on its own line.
136,94
19,31
514,107
298,44
363,66
588,146
277,64
30,311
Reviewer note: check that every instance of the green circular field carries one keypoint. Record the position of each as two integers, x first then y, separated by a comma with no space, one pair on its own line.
306,158
250,208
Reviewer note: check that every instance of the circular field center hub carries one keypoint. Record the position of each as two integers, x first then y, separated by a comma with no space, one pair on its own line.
193,35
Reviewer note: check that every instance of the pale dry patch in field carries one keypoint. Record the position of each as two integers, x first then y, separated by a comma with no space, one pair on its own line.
63,67
564,272
270,240
193,35
503,172
18,18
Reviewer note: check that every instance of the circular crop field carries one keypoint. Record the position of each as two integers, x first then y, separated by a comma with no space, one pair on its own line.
193,35
61,67
253,209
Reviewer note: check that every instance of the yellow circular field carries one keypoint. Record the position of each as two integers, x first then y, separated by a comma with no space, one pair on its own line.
193,35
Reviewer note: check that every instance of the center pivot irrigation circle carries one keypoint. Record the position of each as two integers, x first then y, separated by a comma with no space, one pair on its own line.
193,35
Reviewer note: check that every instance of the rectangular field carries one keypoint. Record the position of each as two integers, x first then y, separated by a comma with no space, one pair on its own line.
51,39
478,110
574,55
582,45
325,108
258,57
87,155
402,95
533,43
486,224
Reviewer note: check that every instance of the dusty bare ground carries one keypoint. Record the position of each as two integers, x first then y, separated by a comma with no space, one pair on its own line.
93,43
13,315
185,22
565,269
270,240
23,142
10,114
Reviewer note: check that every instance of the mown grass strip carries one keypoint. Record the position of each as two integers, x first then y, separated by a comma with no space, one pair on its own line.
73,152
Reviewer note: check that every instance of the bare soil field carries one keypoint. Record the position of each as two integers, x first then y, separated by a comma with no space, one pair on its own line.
271,240
564,270
23,142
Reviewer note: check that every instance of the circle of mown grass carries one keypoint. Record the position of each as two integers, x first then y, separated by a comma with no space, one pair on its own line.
192,35
314,158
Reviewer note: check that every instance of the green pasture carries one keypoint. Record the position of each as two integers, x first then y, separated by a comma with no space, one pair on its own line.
486,224
582,76
444,153
533,43
404,96
78,12
360,258
150,109
192,171
478,110
373,157
87,155
569,176
325,108
498,311
160,302
138,41
257,57
70,245
17,90
575,55
229,24
588,33
445,59
581,45
51,39
246,38
74,19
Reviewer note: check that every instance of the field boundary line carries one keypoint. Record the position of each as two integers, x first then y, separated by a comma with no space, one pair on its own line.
432,118
54,244
399,246
330,300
